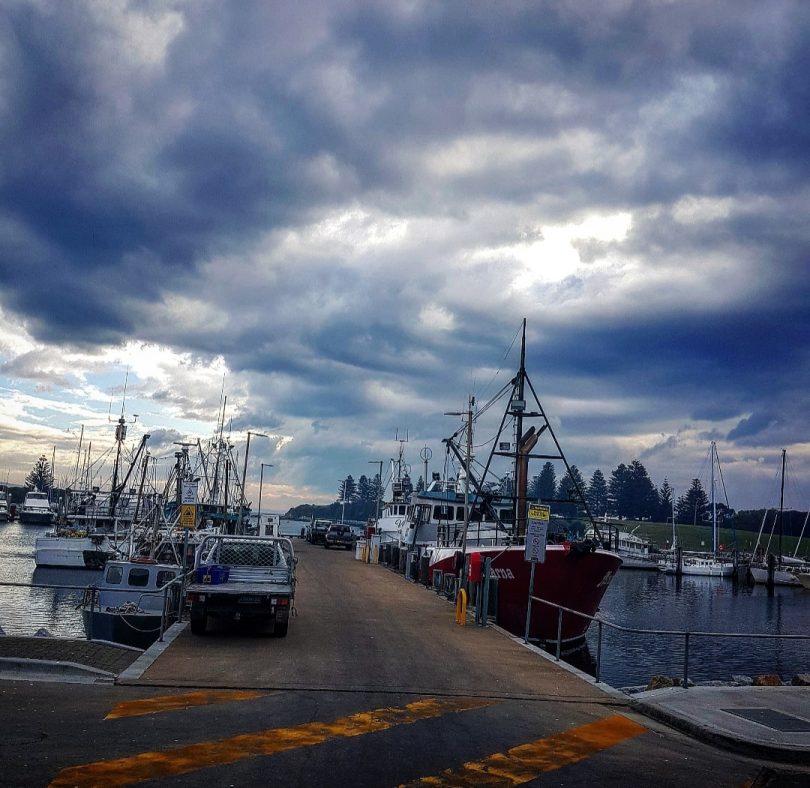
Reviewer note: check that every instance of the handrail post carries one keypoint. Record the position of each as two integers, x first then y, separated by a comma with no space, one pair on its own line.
599,651
180,598
559,633
685,660
529,603
163,611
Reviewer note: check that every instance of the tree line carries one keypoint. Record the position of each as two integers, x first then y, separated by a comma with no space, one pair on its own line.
629,493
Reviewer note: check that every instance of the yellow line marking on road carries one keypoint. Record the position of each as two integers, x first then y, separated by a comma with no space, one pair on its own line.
181,760
528,761
137,708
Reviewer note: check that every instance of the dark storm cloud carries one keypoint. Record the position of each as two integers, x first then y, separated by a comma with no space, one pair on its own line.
155,152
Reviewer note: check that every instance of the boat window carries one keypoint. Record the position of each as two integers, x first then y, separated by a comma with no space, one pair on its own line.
402,510
114,574
442,512
164,576
460,513
138,577
507,516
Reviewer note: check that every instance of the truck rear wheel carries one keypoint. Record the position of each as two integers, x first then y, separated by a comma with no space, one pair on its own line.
280,629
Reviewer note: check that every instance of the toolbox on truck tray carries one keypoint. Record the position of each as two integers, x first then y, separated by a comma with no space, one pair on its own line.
212,574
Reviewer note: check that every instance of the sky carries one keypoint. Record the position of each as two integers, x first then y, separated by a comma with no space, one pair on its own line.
337,215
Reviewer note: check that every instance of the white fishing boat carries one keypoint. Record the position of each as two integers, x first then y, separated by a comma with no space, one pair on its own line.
132,602
36,509
77,550
804,579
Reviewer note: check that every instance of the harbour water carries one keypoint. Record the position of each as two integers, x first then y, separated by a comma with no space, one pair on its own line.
653,600
644,600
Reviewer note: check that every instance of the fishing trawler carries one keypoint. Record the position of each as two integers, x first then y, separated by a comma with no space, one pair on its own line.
479,516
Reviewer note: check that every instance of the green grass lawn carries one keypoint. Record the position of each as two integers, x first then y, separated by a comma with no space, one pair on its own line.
699,537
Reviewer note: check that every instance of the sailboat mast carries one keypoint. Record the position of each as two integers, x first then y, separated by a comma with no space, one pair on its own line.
714,503
781,505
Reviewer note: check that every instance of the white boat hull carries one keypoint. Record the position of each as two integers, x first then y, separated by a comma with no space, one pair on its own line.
700,567
72,552
781,577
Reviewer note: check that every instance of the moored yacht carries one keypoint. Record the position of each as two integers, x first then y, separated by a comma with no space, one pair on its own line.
36,509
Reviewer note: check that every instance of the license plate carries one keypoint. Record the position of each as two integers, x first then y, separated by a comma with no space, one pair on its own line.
250,599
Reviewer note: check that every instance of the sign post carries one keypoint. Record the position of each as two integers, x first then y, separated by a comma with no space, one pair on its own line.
188,505
536,534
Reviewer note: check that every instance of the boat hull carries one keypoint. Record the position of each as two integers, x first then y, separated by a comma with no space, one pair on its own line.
72,552
138,630
35,518
781,577
569,577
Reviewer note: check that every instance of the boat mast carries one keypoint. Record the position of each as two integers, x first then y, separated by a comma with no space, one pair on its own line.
714,503
781,505
518,408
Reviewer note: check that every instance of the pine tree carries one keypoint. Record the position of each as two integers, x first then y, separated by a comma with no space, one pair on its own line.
619,491
364,490
597,494
41,476
643,497
567,490
665,500
348,490
547,483
691,507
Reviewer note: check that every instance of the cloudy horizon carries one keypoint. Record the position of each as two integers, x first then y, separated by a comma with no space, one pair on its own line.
337,215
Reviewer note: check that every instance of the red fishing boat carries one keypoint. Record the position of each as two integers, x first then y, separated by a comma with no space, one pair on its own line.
484,515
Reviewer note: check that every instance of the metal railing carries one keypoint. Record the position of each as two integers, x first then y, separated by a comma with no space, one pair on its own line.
685,634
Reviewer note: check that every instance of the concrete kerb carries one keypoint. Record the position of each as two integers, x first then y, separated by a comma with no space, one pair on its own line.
142,664
22,669
644,704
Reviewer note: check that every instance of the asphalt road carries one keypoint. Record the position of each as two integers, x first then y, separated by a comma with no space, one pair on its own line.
375,685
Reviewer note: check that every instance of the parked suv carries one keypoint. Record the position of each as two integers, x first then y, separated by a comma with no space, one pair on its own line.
317,531
339,536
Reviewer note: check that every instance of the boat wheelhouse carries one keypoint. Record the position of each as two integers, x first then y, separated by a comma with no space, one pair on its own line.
36,509
135,599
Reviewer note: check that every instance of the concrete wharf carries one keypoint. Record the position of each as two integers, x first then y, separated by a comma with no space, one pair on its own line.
375,684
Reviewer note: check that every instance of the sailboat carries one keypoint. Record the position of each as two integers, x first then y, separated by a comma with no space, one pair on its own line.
464,521
696,563
783,570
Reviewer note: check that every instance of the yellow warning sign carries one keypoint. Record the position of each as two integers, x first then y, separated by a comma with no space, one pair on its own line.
188,515
538,511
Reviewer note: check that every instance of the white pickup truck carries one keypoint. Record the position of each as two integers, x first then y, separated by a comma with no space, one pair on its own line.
243,578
